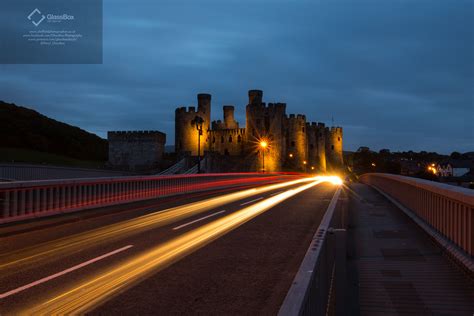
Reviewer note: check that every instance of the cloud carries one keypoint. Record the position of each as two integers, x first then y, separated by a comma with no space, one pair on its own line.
395,73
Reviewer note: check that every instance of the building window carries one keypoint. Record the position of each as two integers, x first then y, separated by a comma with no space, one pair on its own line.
222,139
339,139
293,144
311,146
239,139
214,140
230,139
302,129
332,147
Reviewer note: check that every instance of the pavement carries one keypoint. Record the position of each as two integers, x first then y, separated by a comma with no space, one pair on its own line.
395,268
224,252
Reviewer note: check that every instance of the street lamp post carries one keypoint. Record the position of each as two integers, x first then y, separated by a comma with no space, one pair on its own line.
198,122
263,145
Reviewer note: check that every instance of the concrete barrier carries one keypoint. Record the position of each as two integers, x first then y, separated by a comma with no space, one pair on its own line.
447,209
30,199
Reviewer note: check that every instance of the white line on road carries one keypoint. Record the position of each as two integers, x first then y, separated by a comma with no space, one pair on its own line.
198,220
276,193
248,202
54,276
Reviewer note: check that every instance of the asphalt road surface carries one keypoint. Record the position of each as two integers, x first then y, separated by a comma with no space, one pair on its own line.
222,252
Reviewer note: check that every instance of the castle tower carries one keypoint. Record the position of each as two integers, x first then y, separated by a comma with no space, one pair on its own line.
321,130
274,121
265,123
312,143
204,109
229,120
254,118
297,141
186,133
334,147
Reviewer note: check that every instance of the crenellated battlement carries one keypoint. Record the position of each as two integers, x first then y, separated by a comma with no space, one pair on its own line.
134,134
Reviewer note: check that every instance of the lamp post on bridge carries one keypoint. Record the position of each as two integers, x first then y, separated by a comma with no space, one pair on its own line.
263,146
198,122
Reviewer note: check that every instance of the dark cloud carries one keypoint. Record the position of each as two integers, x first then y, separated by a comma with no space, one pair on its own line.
394,73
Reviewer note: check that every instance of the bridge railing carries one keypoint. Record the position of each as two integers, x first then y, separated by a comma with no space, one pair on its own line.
29,199
448,209
319,285
27,172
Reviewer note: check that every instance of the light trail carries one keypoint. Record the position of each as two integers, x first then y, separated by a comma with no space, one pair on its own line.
251,201
90,293
198,220
71,244
57,275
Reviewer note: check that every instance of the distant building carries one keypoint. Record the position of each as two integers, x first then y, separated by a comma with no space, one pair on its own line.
455,168
136,150
410,167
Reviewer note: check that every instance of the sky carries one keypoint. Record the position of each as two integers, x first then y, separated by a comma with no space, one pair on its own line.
395,74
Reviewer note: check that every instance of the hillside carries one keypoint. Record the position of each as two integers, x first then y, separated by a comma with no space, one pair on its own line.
24,128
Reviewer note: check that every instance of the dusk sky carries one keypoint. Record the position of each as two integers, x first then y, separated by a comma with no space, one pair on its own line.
395,74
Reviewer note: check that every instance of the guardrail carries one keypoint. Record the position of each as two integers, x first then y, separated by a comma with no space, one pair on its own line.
318,287
26,172
447,209
29,199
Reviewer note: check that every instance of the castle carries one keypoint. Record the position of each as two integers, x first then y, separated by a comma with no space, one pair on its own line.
291,142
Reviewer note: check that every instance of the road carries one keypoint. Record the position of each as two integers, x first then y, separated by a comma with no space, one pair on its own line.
223,252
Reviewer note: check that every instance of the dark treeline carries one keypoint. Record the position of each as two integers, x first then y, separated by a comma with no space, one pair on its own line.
25,128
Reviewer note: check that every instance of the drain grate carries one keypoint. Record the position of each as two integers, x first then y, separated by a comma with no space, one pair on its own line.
390,234
391,273
402,254
405,298
377,214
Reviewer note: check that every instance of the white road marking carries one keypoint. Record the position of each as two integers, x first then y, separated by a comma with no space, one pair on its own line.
56,275
248,202
276,193
198,220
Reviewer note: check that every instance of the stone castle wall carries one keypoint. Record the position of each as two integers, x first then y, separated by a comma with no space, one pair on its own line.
136,150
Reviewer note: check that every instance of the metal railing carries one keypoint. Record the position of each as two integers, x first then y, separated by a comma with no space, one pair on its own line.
448,209
29,199
26,172
320,281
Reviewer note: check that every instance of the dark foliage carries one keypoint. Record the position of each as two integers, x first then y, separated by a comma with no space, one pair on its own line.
21,127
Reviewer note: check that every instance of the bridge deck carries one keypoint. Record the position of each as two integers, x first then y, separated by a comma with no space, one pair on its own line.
399,269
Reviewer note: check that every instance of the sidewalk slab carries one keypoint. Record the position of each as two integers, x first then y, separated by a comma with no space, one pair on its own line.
400,270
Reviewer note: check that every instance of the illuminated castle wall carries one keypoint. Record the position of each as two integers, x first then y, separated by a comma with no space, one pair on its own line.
293,142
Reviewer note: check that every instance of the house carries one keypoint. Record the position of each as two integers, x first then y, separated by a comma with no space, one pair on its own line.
455,168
